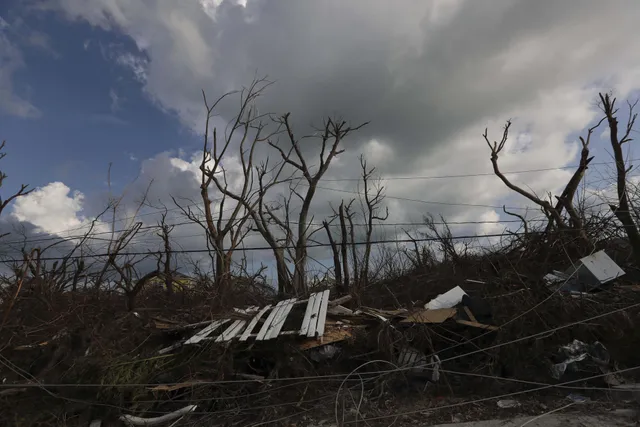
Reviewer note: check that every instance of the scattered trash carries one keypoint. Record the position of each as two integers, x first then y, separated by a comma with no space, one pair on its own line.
131,420
577,398
417,361
612,378
578,351
449,299
508,403
410,357
588,275
324,352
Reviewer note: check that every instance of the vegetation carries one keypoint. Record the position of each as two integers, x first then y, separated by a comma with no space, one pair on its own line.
83,317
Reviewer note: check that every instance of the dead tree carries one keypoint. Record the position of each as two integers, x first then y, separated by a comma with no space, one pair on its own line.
565,200
252,202
225,232
337,266
331,136
21,192
623,209
340,248
345,244
164,265
373,196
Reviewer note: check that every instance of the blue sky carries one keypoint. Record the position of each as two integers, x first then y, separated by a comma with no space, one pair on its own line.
93,110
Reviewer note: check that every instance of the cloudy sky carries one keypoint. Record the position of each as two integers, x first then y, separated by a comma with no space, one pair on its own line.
88,83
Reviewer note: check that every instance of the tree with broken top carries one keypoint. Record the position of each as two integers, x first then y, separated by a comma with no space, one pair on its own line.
564,202
623,209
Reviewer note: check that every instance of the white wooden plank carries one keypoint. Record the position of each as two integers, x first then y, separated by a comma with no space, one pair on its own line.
322,315
281,317
231,331
206,331
313,321
253,323
307,315
236,327
267,322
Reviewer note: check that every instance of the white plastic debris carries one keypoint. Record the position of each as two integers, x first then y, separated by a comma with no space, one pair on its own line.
449,299
508,403
131,420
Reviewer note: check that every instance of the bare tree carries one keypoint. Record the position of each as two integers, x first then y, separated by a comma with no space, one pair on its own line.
337,266
565,200
622,211
345,244
273,220
225,232
331,136
21,192
166,263
373,196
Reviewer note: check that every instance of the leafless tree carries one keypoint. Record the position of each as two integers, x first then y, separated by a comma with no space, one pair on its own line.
331,136
340,248
565,200
225,232
371,200
623,209
21,192
165,257
273,220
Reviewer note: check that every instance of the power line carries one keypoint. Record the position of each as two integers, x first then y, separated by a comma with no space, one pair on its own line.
470,175
314,224
263,248
338,190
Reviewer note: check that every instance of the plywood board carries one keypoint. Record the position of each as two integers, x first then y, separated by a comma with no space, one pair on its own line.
430,316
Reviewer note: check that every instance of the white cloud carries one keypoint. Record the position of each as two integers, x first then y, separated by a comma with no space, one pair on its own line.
52,208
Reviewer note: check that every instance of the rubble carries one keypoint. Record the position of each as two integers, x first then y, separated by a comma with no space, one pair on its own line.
590,274
578,351
507,403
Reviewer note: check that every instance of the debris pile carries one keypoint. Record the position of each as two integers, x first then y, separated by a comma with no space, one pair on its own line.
158,364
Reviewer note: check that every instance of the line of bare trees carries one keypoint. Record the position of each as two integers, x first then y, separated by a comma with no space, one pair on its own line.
259,175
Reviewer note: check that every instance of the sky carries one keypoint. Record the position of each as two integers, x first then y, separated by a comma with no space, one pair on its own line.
89,84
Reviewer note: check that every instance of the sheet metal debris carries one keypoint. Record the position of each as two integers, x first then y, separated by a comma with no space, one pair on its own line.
587,275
